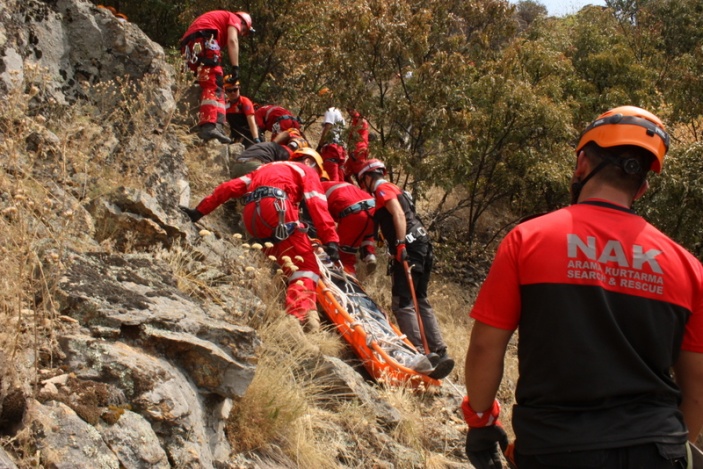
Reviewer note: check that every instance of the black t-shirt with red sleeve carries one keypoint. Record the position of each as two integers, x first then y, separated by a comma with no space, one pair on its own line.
603,303
383,192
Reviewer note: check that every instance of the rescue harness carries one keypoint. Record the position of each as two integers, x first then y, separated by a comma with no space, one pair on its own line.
280,118
358,207
283,229
194,44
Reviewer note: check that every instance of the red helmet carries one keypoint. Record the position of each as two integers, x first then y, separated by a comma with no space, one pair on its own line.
629,125
372,166
246,18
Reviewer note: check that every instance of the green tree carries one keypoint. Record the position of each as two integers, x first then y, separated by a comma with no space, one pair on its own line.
528,11
665,37
673,203
609,69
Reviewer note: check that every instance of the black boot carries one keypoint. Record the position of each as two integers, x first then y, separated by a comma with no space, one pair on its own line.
443,364
208,131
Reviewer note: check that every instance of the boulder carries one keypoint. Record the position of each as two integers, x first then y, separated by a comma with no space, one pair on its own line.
134,442
65,441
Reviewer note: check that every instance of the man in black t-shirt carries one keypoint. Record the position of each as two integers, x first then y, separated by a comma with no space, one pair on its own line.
606,306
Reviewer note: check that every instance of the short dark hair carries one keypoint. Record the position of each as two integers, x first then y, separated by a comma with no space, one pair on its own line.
628,168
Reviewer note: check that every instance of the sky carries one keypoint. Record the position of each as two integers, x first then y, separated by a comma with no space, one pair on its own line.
566,7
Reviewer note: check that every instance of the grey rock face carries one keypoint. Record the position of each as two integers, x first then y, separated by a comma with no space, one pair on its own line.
66,441
134,442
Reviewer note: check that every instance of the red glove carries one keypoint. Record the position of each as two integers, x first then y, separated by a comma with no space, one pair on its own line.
401,254
480,419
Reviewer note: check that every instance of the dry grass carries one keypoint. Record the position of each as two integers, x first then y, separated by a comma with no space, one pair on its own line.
277,396
205,168
37,225
53,157
284,409
33,226
188,269
410,430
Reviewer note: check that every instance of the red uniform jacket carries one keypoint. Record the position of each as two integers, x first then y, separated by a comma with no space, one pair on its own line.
218,20
359,134
342,196
267,116
242,106
296,180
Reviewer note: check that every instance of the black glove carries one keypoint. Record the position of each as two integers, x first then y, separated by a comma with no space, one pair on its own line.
257,140
482,446
332,250
192,213
234,76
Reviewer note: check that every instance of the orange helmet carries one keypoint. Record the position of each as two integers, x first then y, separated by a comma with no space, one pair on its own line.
228,86
296,141
629,125
372,166
246,18
310,153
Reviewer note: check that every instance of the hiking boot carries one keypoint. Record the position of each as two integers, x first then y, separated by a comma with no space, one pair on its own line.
208,131
312,321
370,261
433,358
443,364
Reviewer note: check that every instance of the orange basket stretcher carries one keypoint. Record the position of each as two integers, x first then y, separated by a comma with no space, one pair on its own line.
384,351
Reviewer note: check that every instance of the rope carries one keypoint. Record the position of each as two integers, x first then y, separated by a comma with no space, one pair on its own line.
377,328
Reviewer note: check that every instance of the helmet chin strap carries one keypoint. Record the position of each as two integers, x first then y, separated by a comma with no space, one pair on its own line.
630,166
577,186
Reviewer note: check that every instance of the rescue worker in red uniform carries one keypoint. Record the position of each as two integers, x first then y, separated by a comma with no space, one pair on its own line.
358,145
408,243
240,115
272,195
202,47
330,146
275,119
606,307
353,210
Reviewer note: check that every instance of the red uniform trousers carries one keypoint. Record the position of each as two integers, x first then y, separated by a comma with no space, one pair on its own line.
355,230
212,94
357,159
301,269
300,295
333,157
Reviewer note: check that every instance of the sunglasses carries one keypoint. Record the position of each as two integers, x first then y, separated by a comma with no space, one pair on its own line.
231,90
